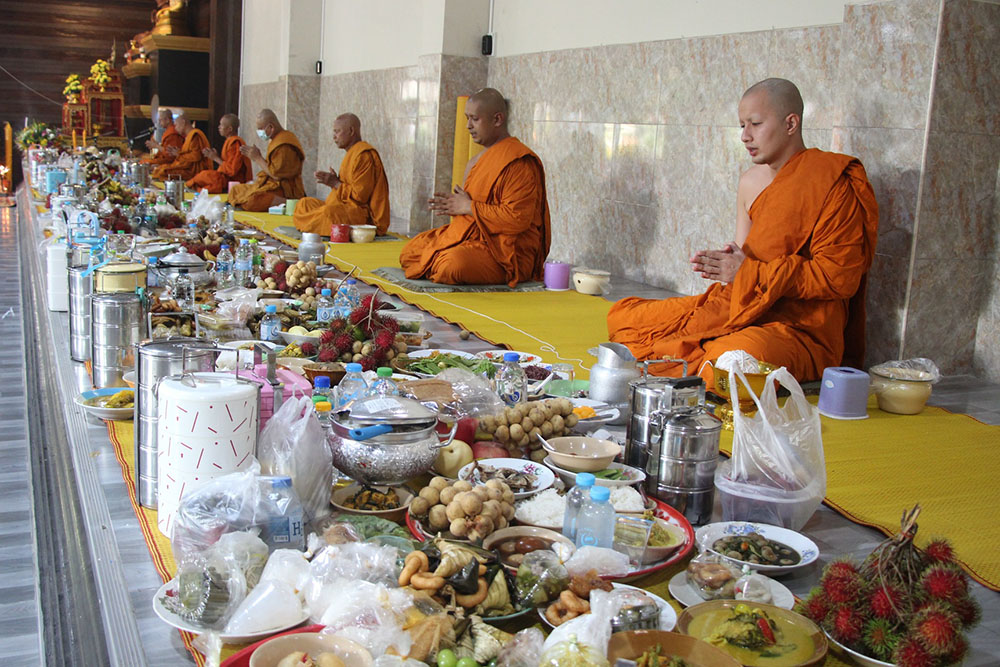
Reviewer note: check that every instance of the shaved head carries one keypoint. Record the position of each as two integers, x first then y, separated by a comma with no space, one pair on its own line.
165,117
782,94
232,120
490,101
182,124
486,117
346,130
268,119
350,120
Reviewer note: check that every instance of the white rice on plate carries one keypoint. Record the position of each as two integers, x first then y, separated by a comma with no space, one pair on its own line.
546,509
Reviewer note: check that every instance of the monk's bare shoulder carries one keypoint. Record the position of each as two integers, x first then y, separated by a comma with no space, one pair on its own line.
752,183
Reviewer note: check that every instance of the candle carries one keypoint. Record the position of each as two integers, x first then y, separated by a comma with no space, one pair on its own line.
8,135
74,141
84,143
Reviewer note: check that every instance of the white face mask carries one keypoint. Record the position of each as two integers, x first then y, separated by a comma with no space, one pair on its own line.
262,134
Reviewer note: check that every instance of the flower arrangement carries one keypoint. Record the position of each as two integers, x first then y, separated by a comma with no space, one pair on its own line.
901,604
100,73
73,88
36,133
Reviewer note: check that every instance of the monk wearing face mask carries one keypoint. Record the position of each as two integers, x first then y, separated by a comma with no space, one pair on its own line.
280,175
790,289
359,194
232,165
188,160
499,230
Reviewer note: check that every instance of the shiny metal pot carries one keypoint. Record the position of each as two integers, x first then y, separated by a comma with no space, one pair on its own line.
174,264
385,440
174,192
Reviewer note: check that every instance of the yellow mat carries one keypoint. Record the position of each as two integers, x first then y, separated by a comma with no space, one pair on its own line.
557,326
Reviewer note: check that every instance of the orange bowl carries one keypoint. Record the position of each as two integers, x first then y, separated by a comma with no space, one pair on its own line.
331,369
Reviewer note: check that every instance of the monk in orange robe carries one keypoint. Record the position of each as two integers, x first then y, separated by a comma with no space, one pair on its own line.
232,166
188,160
360,194
792,293
499,232
280,177
171,139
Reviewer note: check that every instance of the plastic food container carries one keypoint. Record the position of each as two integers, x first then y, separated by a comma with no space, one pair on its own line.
411,327
363,233
762,504
903,391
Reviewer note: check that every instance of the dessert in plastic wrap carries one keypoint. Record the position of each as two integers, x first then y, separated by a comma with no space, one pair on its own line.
753,587
712,576
607,562
572,653
523,650
540,578
584,639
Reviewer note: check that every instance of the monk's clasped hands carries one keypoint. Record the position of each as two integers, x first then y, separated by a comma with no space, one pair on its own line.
328,178
719,265
210,153
173,151
458,202
250,151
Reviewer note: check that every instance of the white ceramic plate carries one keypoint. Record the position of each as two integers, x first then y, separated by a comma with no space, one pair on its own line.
226,361
420,354
298,339
526,358
545,477
605,412
668,617
809,552
175,621
630,476
687,595
102,412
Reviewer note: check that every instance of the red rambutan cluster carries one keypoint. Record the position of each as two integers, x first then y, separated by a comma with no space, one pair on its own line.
936,628
886,602
308,349
846,624
943,582
940,550
910,653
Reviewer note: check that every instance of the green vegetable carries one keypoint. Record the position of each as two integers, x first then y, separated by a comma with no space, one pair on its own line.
609,473
370,526
437,363
447,658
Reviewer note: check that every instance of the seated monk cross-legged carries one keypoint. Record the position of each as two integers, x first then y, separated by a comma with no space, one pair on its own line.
791,289
360,193
280,175
499,232
232,166
188,159
161,152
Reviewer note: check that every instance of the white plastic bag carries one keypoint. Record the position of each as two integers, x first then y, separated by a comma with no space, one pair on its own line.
293,444
207,206
778,467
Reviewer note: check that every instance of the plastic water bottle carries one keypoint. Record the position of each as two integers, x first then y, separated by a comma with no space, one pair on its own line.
595,524
511,383
192,232
152,274
383,386
351,386
323,409
574,501
324,306
243,264
352,293
283,525
321,388
255,260
149,217
137,217
184,290
224,267
270,325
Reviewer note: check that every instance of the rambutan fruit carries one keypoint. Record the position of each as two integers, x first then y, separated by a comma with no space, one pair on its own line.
279,268
383,340
389,324
358,333
815,606
936,629
308,349
337,324
842,588
379,356
957,654
880,637
940,550
343,342
841,567
846,624
368,363
326,337
886,602
943,582
910,653
327,354
357,315
370,301
968,610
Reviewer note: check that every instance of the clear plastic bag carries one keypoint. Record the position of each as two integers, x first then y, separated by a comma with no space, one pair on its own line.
289,566
712,577
475,395
920,369
604,561
360,562
582,640
293,444
370,614
540,578
524,650
207,206
778,467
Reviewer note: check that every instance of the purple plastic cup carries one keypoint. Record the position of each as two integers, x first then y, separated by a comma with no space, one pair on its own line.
557,275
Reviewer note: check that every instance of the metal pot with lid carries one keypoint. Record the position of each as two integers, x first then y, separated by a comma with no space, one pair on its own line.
385,440
182,261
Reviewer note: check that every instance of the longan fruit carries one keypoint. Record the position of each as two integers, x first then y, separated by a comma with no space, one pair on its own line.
502,434
527,424
454,510
462,485
494,484
430,494
508,497
459,527
494,493
536,416
471,504
447,495
516,432
419,506
507,509
438,517
571,420
439,483
501,421
546,429
492,509
482,492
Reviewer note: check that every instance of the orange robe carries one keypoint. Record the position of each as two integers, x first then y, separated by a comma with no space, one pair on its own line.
190,160
362,198
284,160
798,298
505,240
170,138
235,167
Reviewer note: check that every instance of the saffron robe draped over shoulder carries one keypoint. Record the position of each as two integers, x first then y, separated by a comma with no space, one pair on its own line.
798,299
362,198
505,240
235,167
284,161
190,160
171,139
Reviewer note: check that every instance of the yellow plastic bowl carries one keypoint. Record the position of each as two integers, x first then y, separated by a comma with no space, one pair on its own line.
582,454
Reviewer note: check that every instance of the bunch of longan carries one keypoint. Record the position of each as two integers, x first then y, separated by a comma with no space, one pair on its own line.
517,426
466,511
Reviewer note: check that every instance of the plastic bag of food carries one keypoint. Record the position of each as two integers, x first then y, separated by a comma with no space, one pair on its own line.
776,452
584,639
753,587
607,562
540,578
524,650
474,394
358,561
289,566
293,444
271,604
921,369
369,614
713,577
207,206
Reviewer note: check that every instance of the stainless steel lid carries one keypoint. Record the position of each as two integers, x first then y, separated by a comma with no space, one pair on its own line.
183,259
695,420
175,346
395,410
